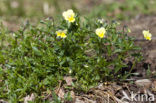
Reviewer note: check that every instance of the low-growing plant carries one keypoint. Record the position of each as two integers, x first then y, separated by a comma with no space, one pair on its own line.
37,57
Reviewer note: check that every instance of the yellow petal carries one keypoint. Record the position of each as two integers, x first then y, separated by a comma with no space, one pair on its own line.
69,15
100,32
61,33
71,19
147,34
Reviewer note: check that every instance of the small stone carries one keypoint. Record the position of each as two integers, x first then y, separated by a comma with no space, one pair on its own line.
143,83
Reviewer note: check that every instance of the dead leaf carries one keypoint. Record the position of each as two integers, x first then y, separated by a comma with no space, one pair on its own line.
154,86
2,101
68,80
79,101
72,94
29,98
61,93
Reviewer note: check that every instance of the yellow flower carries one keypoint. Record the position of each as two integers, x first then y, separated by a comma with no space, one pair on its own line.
61,33
69,15
129,30
147,35
100,32
101,21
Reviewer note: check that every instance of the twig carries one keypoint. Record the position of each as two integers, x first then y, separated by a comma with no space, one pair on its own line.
58,89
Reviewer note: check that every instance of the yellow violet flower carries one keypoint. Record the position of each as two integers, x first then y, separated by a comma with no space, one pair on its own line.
100,32
129,30
101,21
61,33
69,15
147,34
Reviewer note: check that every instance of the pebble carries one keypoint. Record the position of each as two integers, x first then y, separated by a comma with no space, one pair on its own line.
143,83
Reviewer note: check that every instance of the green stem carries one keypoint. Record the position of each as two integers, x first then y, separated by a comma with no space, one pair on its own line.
129,73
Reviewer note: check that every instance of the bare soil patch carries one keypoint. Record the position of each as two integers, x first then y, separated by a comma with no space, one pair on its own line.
137,25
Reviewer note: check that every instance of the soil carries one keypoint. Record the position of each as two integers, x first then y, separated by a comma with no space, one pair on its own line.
137,25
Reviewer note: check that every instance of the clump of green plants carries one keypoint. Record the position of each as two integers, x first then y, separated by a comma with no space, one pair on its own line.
35,58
